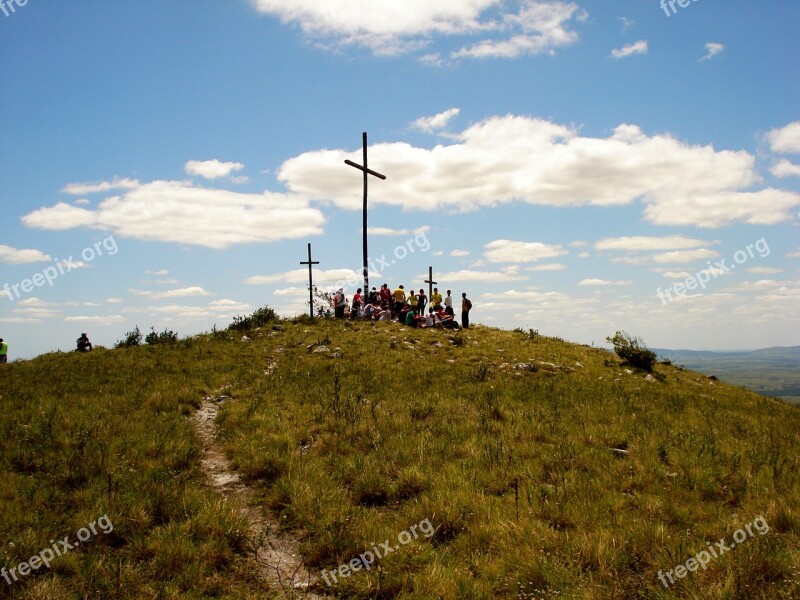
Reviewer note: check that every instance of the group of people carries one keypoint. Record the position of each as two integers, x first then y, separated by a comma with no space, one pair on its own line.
406,307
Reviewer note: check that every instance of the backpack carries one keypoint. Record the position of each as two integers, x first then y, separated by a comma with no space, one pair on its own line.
468,303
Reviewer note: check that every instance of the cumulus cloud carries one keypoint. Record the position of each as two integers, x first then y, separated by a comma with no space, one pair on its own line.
388,231
321,277
712,49
212,169
547,267
178,293
81,189
786,139
518,252
639,47
436,122
173,211
526,159
14,256
674,257
506,274
602,282
387,27
785,168
639,242
459,253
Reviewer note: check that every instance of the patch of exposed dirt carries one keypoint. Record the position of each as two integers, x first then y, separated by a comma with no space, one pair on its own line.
275,555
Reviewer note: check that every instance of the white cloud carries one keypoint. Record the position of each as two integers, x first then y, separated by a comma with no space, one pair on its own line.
674,257
785,168
321,277
677,274
389,27
712,49
578,244
518,252
506,274
81,189
172,211
785,140
212,169
388,231
436,122
13,256
525,159
627,23
460,253
764,270
159,273
601,282
584,255
96,320
178,293
639,242
639,47
547,267
114,300
795,254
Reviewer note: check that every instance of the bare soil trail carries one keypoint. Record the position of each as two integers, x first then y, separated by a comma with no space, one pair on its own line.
275,555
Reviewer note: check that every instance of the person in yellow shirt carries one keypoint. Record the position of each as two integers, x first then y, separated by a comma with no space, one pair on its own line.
3,352
399,300
412,300
436,299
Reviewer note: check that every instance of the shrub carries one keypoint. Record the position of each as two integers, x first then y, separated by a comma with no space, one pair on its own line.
131,339
633,351
260,317
164,337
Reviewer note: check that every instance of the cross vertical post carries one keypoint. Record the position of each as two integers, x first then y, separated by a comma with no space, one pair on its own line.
366,172
310,262
430,283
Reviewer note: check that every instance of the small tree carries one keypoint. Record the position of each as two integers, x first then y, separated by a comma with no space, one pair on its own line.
131,339
164,337
633,351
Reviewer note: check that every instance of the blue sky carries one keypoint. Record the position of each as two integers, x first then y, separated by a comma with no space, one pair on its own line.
575,167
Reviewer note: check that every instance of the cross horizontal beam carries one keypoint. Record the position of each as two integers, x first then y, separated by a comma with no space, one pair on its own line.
370,171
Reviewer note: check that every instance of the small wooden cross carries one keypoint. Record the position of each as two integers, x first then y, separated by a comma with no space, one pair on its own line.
430,283
310,262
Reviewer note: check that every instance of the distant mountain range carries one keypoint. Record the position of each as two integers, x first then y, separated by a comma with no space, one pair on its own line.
771,371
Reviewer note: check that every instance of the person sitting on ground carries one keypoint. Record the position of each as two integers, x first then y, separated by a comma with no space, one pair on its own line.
436,299
84,345
386,313
369,310
356,309
410,319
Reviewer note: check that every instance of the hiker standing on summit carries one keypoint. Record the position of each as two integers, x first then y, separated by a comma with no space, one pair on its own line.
3,352
466,306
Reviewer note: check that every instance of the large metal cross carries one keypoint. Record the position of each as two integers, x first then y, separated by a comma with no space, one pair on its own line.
310,262
430,283
367,173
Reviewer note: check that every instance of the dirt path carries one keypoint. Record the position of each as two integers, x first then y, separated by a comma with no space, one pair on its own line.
276,556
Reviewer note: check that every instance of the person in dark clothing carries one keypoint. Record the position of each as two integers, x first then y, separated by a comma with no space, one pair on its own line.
466,306
84,345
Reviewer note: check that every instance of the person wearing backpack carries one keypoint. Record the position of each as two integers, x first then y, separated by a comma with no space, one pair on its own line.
466,306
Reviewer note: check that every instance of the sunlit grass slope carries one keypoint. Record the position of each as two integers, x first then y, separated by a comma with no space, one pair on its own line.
548,469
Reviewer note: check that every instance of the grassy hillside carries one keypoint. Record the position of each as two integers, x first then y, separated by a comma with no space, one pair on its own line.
544,469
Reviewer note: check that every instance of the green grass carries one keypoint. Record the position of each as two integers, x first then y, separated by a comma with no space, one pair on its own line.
515,468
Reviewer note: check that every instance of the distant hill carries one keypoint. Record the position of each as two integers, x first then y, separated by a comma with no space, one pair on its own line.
770,371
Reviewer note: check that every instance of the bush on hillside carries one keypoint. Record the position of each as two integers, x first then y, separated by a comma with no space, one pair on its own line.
163,337
131,339
633,351
260,317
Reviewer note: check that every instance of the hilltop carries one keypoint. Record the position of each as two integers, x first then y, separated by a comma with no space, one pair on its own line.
495,464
